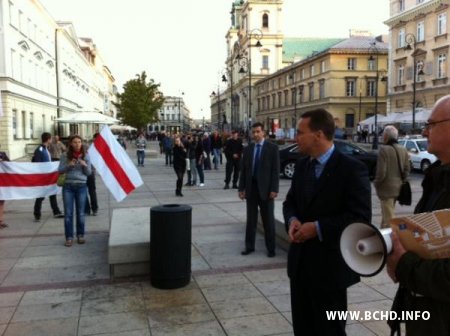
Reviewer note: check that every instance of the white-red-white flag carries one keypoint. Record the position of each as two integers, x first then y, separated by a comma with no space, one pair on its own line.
114,165
27,180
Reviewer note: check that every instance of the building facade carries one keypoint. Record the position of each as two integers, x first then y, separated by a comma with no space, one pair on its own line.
344,78
174,117
419,56
44,74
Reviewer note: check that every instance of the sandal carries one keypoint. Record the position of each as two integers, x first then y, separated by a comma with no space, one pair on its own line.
3,225
68,243
80,240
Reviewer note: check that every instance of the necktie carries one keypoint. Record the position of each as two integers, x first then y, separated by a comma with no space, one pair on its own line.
310,180
256,163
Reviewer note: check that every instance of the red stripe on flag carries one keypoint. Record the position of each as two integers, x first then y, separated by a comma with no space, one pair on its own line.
28,180
116,169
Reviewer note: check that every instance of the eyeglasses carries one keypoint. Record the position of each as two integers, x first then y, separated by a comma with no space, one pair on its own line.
428,124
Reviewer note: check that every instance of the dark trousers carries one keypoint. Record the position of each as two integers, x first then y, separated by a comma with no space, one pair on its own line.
200,172
92,205
180,174
38,206
309,308
168,153
232,167
266,207
207,162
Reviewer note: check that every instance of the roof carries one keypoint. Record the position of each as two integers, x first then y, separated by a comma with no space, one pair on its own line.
360,43
298,48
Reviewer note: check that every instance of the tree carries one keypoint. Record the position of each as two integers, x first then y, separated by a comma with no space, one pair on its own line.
140,102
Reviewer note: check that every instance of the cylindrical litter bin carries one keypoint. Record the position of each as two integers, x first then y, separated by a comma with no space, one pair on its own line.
170,245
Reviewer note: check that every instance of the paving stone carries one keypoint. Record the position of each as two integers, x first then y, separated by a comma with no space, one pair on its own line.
210,328
278,274
6,313
51,296
10,299
268,324
112,323
388,290
245,307
111,305
116,290
25,313
361,292
7,263
281,302
358,329
164,317
273,287
170,299
215,280
58,327
222,293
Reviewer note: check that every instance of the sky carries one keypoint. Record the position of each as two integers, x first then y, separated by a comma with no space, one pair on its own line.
181,44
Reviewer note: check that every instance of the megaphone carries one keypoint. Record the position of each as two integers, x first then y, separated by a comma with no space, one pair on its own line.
365,248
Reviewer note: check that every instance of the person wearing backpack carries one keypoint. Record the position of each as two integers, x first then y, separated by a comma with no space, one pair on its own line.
41,154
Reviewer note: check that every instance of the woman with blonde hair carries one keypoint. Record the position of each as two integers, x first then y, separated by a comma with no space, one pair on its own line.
77,167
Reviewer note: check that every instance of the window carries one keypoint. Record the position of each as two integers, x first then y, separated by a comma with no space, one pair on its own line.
14,123
321,89
302,74
31,125
371,64
420,31
400,74
265,21
350,88
322,67
371,87
441,68
419,69
419,1
265,62
401,5
300,92
442,24
312,69
286,95
268,102
279,99
311,91
351,64
24,122
401,38
274,97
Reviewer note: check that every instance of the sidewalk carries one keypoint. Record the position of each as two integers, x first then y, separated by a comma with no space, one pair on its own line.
49,289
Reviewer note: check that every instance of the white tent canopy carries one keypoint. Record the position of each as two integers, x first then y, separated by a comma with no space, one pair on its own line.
122,128
421,116
87,118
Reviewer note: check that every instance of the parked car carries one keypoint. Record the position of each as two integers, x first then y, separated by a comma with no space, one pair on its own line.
418,152
289,155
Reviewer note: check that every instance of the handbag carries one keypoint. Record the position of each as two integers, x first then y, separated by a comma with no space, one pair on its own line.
405,195
61,180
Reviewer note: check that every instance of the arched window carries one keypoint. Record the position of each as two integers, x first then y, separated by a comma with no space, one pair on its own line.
265,20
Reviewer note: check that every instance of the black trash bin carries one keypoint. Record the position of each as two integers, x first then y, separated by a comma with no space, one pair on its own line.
170,245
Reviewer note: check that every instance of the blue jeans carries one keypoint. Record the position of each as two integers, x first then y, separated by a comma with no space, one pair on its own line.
74,193
216,153
140,157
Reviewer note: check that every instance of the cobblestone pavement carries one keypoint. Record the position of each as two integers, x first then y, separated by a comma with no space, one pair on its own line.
49,289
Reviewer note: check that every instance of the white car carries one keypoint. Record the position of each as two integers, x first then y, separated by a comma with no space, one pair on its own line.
418,154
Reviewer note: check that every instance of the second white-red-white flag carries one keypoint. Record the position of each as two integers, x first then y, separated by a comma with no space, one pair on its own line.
113,164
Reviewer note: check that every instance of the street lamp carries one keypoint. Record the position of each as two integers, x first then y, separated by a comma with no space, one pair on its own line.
179,109
257,34
411,44
224,79
294,93
374,50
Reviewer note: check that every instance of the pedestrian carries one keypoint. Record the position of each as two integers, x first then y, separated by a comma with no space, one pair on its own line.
216,145
199,158
179,164
91,196
424,284
392,169
56,148
77,167
258,185
329,191
192,171
121,141
141,144
233,152
207,148
167,147
41,154
3,158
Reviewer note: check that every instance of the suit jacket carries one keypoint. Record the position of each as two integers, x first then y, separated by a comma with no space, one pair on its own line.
342,196
268,174
388,178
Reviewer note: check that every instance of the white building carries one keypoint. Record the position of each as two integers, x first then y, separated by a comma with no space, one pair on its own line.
174,116
45,72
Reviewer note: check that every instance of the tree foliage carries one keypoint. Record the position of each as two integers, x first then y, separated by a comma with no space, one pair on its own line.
140,102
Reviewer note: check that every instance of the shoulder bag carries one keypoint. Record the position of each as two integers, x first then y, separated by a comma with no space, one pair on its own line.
405,195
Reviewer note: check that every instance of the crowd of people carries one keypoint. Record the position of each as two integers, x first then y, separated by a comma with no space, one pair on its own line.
329,191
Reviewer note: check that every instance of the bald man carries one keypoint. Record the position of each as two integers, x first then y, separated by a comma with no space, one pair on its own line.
425,284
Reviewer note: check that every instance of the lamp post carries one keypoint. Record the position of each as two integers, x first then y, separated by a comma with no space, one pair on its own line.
411,44
257,34
294,93
179,109
374,50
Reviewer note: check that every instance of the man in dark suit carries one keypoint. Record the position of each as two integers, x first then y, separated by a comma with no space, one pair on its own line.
258,184
329,190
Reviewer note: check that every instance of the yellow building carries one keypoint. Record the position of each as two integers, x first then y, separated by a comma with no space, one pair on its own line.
342,78
419,54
